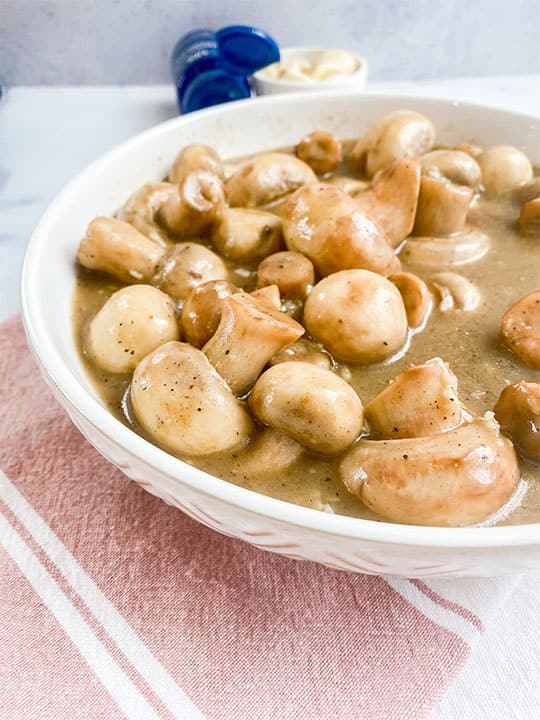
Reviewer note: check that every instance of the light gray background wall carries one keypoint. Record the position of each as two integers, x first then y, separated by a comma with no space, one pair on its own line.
125,41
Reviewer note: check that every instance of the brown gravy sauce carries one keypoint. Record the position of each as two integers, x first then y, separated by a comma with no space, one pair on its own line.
469,342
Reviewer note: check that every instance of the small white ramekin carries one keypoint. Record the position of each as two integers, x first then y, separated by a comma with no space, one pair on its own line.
356,80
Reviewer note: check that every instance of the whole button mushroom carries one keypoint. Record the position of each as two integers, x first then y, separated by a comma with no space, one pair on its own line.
327,226
518,412
187,266
312,405
266,178
133,321
402,134
321,150
504,168
195,206
142,208
247,235
201,311
118,249
357,315
195,157
291,271
392,199
420,401
454,478
521,329
184,405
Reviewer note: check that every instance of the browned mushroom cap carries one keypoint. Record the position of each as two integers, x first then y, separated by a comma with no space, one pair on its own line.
327,226
314,406
248,335
415,295
518,412
304,350
247,235
357,315
195,157
421,401
521,329
201,312
195,206
266,178
321,150
442,207
453,478
392,199
116,248
184,405
291,271
529,219
401,134
187,266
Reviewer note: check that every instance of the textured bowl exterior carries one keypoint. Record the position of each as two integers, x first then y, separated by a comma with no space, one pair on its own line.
48,280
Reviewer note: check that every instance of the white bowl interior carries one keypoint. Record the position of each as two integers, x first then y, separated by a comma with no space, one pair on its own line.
235,129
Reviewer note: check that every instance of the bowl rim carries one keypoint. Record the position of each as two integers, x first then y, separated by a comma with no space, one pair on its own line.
343,81
58,373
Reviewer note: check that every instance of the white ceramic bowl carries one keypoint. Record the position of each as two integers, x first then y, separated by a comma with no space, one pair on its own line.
265,85
236,129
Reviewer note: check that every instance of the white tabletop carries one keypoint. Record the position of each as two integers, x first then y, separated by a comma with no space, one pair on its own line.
49,134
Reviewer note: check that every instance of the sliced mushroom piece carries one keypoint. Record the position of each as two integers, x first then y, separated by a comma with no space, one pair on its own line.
529,219
195,206
504,168
313,406
450,479
291,271
270,454
304,350
133,321
420,401
201,311
184,405
268,296
392,199
357,315
327,226
442,207
187,266
321,150
248,335
438,252
116,248
456,166
518,412
267,177
196,157
349,185
456,292
247,235
402,134
521,329
142,208
416,297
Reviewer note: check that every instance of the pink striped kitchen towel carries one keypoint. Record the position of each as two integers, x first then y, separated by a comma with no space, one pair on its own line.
115,605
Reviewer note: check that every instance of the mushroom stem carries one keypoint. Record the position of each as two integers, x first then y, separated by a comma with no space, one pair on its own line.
442,207
248,335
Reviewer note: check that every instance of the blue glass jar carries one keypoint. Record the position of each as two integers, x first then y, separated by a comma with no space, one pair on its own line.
210,67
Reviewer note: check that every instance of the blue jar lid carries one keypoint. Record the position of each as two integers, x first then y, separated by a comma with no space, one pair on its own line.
244,49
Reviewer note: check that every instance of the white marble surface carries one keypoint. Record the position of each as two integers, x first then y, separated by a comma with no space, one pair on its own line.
48,134
66,41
